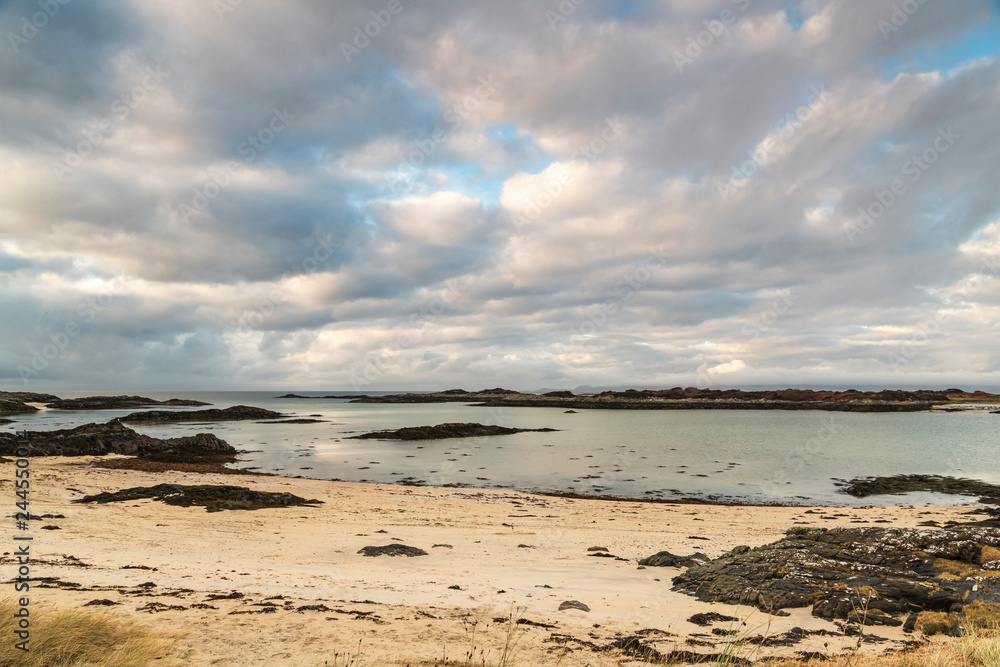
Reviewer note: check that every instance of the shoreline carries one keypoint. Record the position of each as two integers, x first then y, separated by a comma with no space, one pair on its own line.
506,552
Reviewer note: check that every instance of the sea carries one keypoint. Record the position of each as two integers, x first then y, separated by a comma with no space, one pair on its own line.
772,456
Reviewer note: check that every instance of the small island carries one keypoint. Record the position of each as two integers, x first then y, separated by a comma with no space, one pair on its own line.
444,431
235,413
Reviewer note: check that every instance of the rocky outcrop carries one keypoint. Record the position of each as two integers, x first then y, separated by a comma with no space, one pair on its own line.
16,402
117,403
897,484
442,431
667,559
116,438
235,413
871,575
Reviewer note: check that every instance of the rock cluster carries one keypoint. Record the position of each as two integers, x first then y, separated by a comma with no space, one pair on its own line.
867,574
116,438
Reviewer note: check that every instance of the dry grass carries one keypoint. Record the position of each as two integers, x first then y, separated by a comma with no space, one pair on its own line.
956,569
979,648
80,638
988,555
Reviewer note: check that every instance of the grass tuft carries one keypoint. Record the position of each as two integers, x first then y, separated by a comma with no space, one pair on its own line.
76,638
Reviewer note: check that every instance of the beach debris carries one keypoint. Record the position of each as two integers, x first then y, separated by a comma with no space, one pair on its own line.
707,618
573,604
235,595
156,607
392,550
213,497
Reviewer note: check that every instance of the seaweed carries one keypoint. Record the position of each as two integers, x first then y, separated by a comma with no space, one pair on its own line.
213,497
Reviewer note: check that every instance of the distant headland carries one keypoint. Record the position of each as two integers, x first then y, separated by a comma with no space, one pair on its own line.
691,398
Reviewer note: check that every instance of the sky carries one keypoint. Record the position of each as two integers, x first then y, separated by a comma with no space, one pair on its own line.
419,194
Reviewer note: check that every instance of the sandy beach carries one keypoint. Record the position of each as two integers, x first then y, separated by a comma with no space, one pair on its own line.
299,592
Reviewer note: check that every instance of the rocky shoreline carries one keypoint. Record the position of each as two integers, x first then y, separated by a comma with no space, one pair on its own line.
116,438
700,399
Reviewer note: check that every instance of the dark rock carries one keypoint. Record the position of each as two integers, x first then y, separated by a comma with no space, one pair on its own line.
4,422
393,550
16,402
116,403
101,603
13,407
442,431
667,559
597,549
850,572
707,618
116,438
573,604
235,413
214,498
875,486
294,421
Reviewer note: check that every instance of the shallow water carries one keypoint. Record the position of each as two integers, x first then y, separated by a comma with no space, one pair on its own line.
758,456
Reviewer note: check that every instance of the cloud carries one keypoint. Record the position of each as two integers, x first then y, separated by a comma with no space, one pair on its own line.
655,196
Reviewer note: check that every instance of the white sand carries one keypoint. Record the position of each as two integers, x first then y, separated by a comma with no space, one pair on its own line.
309,556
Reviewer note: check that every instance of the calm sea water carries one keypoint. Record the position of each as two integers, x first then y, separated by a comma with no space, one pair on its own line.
759,456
